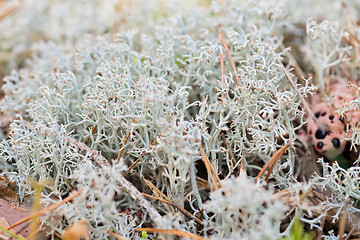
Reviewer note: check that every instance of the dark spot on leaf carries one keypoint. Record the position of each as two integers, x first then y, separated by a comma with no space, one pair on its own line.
320,145
320,134
336,142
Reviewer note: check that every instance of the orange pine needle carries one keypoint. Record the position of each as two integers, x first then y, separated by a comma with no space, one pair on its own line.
273,160
123,147
92,133
207,165
222,38
171,203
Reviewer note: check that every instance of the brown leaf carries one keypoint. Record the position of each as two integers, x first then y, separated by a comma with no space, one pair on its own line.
77,231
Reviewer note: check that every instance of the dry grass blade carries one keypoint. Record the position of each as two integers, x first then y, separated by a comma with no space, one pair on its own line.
34,222
273,159
222,39
242,167
72,186
156,190
13,235
172,232
117,236
158,193
306,105
182,210
300,73
209,168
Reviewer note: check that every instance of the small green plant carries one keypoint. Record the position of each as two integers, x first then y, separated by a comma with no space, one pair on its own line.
298,232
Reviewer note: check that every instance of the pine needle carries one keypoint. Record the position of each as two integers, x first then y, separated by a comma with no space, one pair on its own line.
182,210
273,160
172,232
222,39
210,169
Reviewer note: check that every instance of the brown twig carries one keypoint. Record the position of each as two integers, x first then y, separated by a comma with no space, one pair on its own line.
128,187
172,232
182,210
295,64
158,194
273,159
306,105
222,39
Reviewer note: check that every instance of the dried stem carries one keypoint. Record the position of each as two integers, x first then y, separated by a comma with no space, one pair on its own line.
182,210
158,194
306,105
210,169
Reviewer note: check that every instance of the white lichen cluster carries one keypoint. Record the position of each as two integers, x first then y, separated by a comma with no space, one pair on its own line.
154,81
